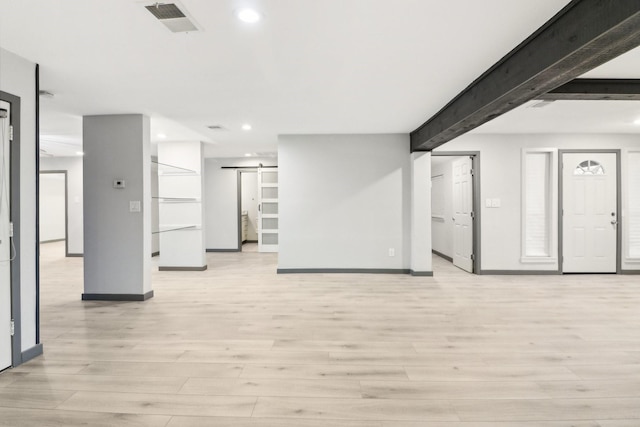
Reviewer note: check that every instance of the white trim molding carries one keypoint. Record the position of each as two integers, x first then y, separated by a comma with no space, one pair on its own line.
631,208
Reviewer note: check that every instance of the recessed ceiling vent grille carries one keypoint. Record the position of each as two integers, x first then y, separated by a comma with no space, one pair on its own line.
216,127
172,17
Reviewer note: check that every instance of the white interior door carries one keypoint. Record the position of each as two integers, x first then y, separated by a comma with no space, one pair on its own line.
268,210
5,243
463,214
590,217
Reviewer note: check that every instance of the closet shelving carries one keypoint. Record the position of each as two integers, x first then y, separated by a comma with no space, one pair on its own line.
181,206
178,213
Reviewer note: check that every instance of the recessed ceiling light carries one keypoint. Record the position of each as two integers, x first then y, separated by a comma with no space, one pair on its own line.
247,155
636,122
162,136
250,16
79,153
246,126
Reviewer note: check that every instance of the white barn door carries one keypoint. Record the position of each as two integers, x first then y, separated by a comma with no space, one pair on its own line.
267,210
590,216
5,243
463,214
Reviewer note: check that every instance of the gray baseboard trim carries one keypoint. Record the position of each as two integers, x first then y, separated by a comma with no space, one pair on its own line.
343,270
31,353
53,240
223,250
182,268
117,297
75,255
155,254
422,273
630,272
519,272
441,255
250,241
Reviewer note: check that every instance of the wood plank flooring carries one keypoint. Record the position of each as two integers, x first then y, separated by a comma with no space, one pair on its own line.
238,345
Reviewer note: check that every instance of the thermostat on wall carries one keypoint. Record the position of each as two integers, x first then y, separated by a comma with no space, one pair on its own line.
118,183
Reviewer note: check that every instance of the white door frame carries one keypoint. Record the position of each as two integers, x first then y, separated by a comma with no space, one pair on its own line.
475,162
239,179
14,160
617,152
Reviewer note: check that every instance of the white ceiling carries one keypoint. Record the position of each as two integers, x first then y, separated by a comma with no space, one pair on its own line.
310,66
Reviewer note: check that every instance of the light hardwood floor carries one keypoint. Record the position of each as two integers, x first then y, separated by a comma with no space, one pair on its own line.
238,345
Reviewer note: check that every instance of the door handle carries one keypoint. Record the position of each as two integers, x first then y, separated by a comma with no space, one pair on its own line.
614,222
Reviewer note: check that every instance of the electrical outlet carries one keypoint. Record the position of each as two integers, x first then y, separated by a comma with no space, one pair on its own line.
392,252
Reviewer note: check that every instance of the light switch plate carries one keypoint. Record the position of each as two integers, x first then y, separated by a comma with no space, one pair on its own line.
135,206
487,203
495,203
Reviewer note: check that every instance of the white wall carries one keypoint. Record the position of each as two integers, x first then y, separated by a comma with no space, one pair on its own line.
73,166
53,197
344,201
501,178
421,259
17,77
221,199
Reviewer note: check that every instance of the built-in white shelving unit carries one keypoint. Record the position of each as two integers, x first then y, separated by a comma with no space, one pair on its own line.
181,210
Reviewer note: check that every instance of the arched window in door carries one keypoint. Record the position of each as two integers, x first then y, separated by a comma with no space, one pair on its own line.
589,167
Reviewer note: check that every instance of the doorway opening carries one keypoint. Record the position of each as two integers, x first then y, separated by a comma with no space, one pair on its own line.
258,209
455,210
248,210
589,211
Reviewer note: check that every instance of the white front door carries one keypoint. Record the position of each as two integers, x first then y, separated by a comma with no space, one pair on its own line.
268,210
5,243
463,214
590,216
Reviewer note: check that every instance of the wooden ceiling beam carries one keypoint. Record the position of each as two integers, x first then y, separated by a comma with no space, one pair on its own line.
595,90
582,36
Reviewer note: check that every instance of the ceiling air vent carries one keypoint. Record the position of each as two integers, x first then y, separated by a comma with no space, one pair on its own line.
172,17
216,127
